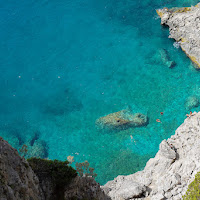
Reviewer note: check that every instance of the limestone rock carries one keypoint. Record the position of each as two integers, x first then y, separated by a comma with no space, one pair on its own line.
184,26
17,180
121,120
167,151
124,189
168,174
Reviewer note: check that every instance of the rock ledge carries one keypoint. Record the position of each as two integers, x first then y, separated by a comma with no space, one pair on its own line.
184,26
168,174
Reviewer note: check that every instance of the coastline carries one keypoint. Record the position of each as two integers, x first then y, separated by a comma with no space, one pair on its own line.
184,27
168,174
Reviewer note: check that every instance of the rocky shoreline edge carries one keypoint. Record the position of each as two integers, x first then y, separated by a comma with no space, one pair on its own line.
184,27
168,174
19,180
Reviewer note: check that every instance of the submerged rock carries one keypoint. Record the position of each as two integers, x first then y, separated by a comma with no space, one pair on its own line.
191,102
184,25
121,120
165,58
39,149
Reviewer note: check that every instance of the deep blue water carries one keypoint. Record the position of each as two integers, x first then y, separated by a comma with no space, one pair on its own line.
64,64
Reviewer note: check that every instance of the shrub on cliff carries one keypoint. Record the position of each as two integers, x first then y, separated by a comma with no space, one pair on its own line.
193,192
84,170
59,172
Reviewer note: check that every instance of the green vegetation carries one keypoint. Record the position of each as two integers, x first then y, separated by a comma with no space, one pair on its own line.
193,192
60,172
83,169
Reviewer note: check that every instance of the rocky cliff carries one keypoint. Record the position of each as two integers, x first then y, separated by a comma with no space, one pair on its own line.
184,26
168,174
19,182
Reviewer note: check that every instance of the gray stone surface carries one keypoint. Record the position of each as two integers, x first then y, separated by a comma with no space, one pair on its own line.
19,182
167,150
85,188
168,174
122,188
184,26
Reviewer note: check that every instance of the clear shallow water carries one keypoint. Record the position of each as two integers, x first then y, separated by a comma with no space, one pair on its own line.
64,64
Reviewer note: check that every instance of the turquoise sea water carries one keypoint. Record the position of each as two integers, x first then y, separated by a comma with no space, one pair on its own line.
66,63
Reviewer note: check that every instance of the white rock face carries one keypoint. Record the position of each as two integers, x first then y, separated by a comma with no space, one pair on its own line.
184,26
168,174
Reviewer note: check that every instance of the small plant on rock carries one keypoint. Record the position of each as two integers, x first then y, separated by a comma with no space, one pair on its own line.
193,192
84,170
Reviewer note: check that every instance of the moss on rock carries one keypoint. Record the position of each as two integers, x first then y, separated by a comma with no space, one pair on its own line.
193,192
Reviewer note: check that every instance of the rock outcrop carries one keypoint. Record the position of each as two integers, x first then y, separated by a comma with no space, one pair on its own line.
19,182
17,179
121,120
168,174
184,26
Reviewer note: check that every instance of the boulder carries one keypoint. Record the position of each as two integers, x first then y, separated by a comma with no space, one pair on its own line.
122,120
167,151
131,189
124,189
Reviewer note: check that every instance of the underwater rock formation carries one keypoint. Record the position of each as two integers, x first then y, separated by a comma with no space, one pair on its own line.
39,149
168,174
121,120
165,58
191,102
184,26
36,147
